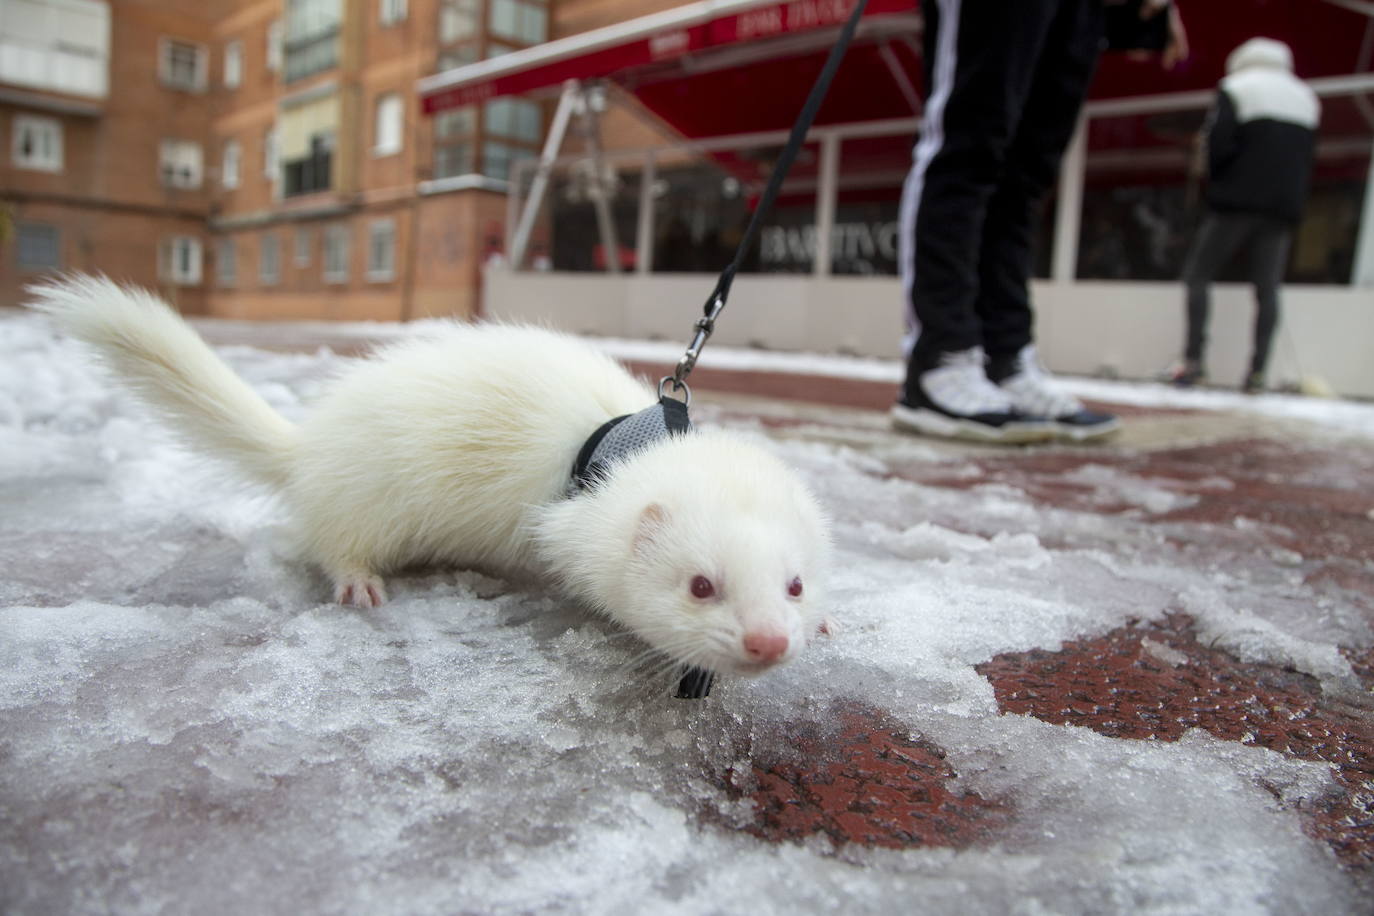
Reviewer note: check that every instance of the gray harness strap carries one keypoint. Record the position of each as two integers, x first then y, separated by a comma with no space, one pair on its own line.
621,437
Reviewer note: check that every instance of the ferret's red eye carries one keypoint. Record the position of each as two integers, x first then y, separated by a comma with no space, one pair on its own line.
794,588
702,587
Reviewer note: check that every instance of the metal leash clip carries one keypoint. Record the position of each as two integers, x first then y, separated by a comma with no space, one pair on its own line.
704,326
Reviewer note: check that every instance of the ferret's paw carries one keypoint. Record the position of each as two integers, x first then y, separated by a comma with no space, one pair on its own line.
360,591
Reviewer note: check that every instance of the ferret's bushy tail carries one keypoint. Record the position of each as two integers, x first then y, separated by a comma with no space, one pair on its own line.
149,346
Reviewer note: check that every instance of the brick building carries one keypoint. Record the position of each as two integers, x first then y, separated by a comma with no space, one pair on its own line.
101,118
264,158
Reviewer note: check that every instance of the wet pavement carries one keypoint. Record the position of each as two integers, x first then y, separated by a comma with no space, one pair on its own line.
1312,491
1282,506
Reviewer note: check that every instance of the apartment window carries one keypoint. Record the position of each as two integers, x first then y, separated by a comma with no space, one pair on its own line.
391,12
390,121
381,250
515,119
179,259
453,142
497,158
519,20
233,64
310,173
457,20
275,31
37,143
457,57
312,36
336,254
56,45
269,154
229,164
181,164
269,259
38,247
227,262
183,65
304,240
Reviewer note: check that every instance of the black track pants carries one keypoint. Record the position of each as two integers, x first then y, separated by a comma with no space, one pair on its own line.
1005,82
1218,239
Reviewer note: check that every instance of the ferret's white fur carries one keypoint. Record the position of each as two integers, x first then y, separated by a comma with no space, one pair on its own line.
457,448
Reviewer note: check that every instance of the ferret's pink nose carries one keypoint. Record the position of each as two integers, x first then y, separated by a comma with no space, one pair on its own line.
766,646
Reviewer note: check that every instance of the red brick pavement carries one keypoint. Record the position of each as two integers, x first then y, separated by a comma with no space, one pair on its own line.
883,789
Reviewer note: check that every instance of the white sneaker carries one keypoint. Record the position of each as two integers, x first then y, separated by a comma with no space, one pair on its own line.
955,400
1032,389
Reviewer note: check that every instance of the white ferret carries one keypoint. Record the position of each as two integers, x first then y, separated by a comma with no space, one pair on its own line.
457,449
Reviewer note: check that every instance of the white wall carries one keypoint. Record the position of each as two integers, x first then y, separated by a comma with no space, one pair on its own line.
1132,329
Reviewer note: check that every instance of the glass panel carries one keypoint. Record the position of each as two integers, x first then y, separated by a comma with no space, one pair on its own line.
732,183
497,158
871,172
457,20
1139,203
1142,206
568,237
455,123
1324,242
535,27
39,247
457,57
451,159
504,15
515,118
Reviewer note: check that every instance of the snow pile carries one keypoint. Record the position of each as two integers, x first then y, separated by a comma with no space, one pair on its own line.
187,725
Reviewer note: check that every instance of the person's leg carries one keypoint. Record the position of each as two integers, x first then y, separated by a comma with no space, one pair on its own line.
982,61
1213,246
1003,304
1268,260
1060,85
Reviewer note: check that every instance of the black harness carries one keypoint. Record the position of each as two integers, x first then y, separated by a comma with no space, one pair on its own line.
616,439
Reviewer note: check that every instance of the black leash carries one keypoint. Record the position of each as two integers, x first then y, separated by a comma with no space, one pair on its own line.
715,303
696,682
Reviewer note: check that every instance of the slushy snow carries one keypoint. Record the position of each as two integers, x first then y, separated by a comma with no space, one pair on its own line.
188,725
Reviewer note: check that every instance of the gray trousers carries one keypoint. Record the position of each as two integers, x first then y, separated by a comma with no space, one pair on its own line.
1218,239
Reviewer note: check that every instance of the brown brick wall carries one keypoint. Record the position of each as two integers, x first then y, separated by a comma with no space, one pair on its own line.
108,202
112,209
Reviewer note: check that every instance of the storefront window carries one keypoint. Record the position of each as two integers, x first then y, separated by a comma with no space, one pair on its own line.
1145,195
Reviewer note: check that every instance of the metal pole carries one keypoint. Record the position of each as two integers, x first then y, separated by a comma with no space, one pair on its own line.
572,89
1363,273
644,242
600,188
519,168
826,192
1068,213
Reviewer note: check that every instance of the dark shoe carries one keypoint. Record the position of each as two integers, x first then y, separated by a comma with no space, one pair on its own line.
1253,384
955,400
1187,374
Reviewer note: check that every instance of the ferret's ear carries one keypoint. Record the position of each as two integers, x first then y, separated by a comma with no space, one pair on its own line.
653,523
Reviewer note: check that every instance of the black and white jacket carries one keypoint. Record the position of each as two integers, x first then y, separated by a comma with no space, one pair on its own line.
1262,134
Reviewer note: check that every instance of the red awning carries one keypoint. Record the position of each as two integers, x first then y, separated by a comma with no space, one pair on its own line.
722,67
683,42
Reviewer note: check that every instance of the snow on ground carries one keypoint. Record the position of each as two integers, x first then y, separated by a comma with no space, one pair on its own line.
1346,417
187,725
